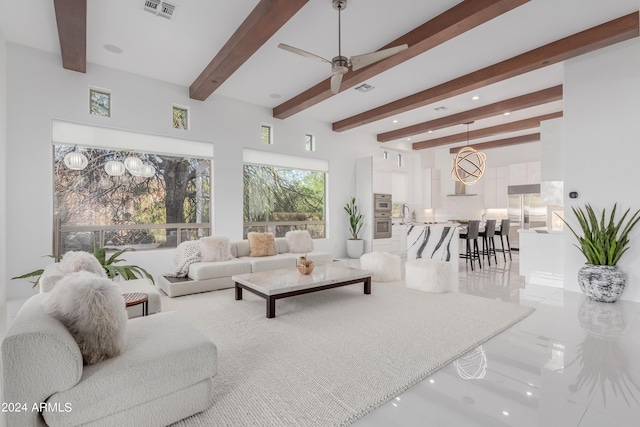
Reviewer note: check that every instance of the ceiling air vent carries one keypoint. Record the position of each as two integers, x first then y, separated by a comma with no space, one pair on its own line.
167,10
151,6
160,8
441,108
364,88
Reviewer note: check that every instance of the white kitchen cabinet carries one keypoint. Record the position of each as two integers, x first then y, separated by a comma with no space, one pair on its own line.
524,173
431,188
399,187
382,182
496,181
399,240
382,245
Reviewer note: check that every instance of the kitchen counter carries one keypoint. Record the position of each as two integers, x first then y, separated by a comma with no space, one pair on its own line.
438,241
541,256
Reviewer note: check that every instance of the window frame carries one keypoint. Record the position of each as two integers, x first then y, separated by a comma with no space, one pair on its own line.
309,142
270,128
187,116
101,91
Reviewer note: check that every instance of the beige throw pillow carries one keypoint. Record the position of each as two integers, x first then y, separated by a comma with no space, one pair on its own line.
215,248
299,241
261,244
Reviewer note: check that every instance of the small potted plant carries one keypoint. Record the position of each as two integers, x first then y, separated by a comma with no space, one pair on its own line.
602,244
355,245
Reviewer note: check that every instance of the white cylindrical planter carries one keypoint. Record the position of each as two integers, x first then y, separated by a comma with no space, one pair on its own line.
355,248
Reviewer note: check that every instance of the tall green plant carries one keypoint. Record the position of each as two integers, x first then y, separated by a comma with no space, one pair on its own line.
127,272
603,243
355,218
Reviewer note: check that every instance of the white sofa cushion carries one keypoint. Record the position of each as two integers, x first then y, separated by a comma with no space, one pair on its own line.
210,270
165,354
273,262
93,310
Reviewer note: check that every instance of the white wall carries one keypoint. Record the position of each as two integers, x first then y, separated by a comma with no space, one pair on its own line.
602,127
3,171
40,90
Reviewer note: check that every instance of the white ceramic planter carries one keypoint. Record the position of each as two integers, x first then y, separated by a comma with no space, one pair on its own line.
355,248
603,283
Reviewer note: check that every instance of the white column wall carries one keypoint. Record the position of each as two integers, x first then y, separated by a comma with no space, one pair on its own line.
40,90
3,171
602,127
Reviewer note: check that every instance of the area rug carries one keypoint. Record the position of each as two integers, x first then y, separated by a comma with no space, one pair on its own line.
330,357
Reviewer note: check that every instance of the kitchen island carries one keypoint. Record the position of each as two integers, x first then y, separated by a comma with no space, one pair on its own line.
437,241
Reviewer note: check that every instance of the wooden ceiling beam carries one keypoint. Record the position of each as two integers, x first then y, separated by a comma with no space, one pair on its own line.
262,23
615,31
518,103
524,124
500,142
455,21
71,19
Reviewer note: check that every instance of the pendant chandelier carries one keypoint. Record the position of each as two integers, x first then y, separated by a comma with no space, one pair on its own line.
78,161
469,164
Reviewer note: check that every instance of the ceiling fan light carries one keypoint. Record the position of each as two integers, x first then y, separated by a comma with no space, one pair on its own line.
133,164
114,168
76,161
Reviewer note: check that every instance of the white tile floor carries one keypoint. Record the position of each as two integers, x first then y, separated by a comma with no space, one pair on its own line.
573,362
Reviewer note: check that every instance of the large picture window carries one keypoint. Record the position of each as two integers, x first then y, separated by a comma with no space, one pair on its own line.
128,199
279,199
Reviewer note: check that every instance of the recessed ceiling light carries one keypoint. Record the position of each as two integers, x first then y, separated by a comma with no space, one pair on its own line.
529,393
475,98
430,131
112,48
395,121
505,413
408,139
275,95
507,113
432,381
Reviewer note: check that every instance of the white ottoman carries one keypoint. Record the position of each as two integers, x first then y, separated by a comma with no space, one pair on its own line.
384,266
428,275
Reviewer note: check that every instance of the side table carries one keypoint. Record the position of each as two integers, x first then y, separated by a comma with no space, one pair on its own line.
131,299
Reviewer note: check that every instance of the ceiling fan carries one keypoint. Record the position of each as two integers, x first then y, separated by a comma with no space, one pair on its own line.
340,64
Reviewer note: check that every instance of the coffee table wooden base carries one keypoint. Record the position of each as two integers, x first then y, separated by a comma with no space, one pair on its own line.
271,299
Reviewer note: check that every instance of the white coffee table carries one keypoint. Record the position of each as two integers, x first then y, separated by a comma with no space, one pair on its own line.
288,282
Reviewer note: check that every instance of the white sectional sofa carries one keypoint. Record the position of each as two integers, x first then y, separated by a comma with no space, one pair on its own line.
164,375
211,276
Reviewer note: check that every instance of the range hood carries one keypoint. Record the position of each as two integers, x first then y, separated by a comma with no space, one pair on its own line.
461,190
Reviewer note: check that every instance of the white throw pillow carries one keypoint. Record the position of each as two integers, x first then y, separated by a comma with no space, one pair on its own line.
93,311
215,248
75,261
299,241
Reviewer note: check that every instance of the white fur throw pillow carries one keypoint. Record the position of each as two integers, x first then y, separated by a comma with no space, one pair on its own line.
215,248
93,311
299,241
81,261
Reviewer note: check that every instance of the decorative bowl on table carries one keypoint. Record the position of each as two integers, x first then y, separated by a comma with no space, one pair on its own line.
304,266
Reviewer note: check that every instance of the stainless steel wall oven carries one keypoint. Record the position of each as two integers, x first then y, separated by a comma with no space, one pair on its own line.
381,216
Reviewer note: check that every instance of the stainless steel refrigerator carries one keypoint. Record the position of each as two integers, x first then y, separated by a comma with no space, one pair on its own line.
526,210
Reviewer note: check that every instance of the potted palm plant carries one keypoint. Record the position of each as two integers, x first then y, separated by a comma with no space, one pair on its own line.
355,245
602,243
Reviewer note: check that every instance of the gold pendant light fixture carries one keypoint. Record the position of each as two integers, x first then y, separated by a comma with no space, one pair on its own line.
469,164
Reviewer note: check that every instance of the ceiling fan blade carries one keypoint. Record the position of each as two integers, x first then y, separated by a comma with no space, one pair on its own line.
302,53
336,80
361,61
